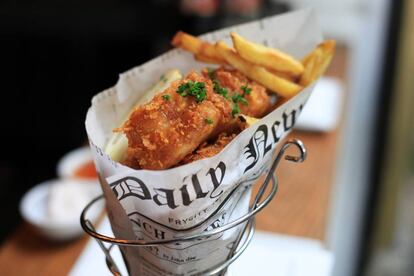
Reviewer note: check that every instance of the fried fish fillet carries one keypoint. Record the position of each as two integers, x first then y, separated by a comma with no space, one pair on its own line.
171,126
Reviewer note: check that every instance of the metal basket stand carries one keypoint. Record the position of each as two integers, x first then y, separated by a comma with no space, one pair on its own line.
243,239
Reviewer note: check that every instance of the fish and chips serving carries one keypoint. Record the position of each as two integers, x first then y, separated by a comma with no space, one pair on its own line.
181,139
200,112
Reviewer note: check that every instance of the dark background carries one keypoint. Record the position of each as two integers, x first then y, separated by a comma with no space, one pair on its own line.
55,55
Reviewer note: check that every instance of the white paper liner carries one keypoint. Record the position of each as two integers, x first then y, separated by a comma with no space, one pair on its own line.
207,193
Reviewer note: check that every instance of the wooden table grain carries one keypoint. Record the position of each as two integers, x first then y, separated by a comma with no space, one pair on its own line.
300,208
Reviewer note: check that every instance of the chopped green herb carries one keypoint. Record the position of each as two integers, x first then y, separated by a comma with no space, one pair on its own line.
246,90
220,90
166,97
195,89
244,101
182,89
235,110
216,85
237,98
208,121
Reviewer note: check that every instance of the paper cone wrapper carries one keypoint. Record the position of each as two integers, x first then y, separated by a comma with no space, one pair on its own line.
203,195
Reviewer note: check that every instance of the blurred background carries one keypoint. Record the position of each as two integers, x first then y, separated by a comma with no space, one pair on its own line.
55,55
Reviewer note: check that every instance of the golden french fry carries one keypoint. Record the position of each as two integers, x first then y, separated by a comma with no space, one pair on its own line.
284,75
311,63
272,59
187,42
317,61
328,48
202,50
207,59
208,50
274,83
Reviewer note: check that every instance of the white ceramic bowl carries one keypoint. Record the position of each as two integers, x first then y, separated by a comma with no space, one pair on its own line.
35,207
71,161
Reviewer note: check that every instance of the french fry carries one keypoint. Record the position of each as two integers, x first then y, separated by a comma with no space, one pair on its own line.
202,50
311,63
209,51
274,69
274,83
328,47
207,59
284,75
187,42
204,59
269,58
317,61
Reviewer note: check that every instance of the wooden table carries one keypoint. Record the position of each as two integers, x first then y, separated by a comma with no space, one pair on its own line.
300,207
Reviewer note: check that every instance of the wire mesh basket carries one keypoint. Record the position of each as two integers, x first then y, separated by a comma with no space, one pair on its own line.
247,221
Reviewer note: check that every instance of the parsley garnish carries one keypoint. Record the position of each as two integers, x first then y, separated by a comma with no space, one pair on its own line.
235,110
216,85
220,90
237,98
195,89
208,121
246,90
166,97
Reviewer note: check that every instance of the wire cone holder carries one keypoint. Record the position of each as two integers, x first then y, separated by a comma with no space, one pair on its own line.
243,239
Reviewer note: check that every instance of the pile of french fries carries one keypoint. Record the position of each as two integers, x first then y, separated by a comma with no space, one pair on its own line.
277,71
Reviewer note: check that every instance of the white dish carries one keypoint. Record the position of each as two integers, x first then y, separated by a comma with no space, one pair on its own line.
35,208
71,161
323,110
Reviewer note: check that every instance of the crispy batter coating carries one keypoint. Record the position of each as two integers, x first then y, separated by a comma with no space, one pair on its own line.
258,100
162,132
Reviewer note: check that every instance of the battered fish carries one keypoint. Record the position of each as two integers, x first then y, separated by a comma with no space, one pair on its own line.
192,111
162,132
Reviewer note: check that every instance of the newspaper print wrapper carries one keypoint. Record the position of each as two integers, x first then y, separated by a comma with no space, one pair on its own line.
203,195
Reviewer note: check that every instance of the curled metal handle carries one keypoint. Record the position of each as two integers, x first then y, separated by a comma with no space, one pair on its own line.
296,159
299,144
